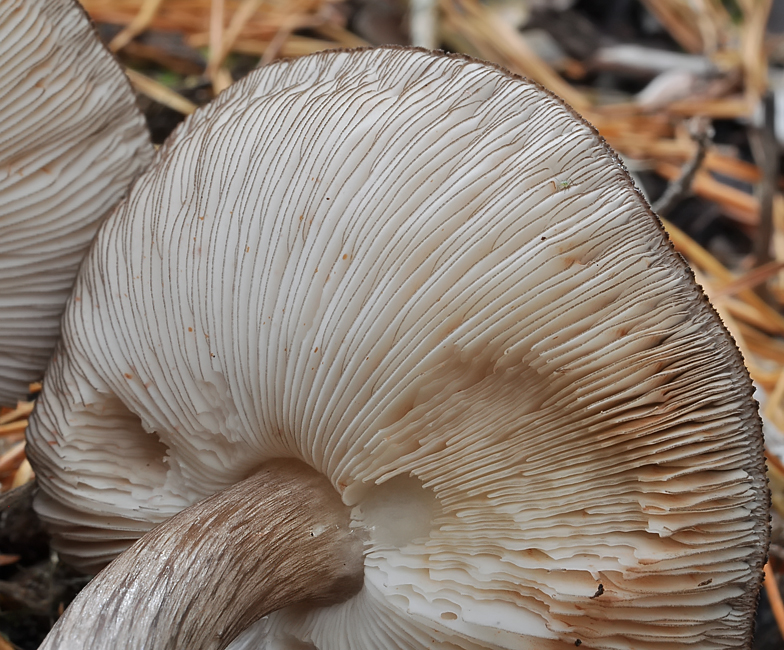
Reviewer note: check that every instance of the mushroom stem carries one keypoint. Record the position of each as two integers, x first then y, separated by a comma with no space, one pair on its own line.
278,538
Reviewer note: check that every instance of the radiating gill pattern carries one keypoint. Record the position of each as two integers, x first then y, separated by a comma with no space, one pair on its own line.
71,142
402,266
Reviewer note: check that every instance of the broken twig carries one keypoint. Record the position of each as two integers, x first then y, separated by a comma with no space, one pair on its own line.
702,134
765,149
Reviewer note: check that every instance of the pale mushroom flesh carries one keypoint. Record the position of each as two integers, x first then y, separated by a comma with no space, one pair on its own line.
433,283
72,140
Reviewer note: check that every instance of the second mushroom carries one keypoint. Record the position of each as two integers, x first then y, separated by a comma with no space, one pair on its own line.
426,292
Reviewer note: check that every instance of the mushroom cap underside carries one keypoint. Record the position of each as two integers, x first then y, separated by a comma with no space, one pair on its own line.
71,142
432,282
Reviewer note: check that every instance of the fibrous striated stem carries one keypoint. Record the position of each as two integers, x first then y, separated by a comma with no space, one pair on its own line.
278,538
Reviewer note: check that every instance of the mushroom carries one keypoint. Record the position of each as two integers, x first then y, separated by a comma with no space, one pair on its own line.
431,283
71,142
